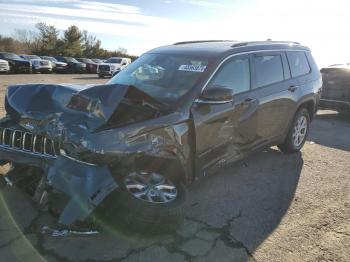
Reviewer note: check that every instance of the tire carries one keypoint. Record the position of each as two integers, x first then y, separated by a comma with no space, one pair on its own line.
145,217
290,145
101,76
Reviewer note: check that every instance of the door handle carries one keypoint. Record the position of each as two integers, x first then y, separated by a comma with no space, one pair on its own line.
248,101
292,88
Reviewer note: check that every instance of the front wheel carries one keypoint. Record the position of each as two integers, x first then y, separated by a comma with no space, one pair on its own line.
149,202
297,133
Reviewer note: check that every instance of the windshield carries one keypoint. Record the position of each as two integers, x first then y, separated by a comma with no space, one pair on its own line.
31,57
86,60
11,56
71,59
97,61
165,77
114,60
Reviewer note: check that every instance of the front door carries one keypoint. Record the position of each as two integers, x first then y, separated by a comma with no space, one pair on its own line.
225,131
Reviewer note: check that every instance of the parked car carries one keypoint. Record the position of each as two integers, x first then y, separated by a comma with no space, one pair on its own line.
58,67
336,88
174,115
112,66
4,66
38,64
73,66
97,61
16,63
91,66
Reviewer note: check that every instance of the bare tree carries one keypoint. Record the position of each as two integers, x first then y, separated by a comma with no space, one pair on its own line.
28,38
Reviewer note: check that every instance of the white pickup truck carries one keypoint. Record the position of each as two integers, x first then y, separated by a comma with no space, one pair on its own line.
4,66
112,66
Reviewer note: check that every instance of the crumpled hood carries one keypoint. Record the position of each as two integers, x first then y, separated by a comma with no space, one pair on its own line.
88,107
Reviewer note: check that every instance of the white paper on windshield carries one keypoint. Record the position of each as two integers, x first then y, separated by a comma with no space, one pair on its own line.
192,68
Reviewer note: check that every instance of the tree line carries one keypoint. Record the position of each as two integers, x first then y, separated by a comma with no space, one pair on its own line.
47,40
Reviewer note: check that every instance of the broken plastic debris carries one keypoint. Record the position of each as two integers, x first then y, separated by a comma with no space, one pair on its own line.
312,143
8,181
67,232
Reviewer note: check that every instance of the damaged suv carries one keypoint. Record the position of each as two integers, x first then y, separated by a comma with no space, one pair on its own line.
174,115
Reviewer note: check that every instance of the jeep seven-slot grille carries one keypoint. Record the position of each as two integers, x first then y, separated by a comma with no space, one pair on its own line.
28,142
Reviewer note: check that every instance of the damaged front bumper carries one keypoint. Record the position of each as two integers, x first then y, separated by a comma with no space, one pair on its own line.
86,185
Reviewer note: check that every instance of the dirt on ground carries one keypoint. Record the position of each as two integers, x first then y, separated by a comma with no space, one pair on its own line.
268,207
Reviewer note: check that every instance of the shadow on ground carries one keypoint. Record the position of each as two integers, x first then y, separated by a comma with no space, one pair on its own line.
321,130
231,213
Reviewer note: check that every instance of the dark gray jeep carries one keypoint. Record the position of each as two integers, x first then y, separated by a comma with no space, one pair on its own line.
174,115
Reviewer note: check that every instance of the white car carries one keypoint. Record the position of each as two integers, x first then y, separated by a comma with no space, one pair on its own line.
38,64
112,66
4,66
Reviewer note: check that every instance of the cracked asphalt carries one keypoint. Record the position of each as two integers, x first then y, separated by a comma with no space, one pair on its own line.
269,207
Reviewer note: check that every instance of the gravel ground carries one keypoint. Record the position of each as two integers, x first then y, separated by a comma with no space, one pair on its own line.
269,207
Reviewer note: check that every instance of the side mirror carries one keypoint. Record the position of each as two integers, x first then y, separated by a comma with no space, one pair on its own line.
216,95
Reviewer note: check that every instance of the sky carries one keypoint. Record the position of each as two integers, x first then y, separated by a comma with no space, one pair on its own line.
142,25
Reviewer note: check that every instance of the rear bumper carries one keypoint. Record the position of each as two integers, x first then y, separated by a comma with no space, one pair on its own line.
334,104
43,69
105,73
59,69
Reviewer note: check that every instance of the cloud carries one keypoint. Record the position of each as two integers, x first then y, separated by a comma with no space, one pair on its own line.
107,7
312,23
80,9
203,3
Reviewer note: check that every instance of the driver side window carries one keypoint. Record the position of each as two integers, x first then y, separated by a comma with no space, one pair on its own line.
235,74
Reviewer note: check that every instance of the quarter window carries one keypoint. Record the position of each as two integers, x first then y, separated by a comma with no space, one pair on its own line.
268,70
298,63
234,74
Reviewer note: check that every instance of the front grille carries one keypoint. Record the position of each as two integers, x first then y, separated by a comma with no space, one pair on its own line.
44,62
23,63
103,68
28,142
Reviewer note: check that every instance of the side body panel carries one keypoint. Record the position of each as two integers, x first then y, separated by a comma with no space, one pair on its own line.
276,104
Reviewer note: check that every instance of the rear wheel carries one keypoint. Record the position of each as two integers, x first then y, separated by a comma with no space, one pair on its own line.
298,132
149,202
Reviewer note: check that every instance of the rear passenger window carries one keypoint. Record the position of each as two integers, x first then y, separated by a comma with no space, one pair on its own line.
268,70
298,63
234,74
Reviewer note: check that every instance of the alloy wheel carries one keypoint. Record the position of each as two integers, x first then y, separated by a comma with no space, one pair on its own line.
300,130
151,187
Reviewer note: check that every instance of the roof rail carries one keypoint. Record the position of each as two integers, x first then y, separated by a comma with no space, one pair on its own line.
201,41
264,42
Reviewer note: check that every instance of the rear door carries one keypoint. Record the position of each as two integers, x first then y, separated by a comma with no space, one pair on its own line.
272,81
225,131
